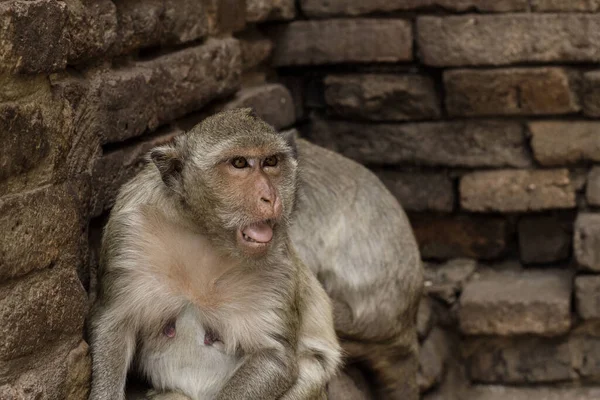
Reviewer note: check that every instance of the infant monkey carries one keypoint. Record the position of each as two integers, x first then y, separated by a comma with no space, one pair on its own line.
200,288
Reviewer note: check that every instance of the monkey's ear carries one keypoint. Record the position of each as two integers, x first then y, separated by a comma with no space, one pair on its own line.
290,137
169,162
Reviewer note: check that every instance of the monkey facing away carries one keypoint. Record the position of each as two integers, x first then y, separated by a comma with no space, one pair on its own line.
352,233
200,288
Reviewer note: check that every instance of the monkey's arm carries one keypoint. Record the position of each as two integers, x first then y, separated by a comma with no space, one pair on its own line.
112,345
318,349
264,375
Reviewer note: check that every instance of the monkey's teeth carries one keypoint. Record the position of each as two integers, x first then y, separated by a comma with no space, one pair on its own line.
248,238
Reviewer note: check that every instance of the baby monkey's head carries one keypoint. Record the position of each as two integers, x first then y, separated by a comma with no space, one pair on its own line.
236,177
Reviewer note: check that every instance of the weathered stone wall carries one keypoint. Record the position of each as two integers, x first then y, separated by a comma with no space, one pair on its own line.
481,117
86,88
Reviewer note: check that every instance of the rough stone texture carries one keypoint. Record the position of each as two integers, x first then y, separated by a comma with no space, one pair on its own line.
508,39
420,191
587,296
456,144
263,10
443,237
592,192
256,49
445,282
517,190
342,41
123,103
42,308
79,371
382,97
545,239
562,5
520,360
271,102
512,91
586,361
39,229
327,8
586,242
116,167
565,142
537,393
591,93
513,303
432,359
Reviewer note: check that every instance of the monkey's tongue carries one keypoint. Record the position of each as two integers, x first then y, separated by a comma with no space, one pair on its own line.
260,232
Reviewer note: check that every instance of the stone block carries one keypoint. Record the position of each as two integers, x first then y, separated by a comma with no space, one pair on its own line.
432,359
451,236
453,143
445,282
545,239
592,192
520,360
116,167
256,49
512,91
514,303
591,93
561,5
342,41
586,241
271,102
329,8
40,229
420,191
565,142
587,296
493,392
268,10
517,190
452,41
382,97
42,308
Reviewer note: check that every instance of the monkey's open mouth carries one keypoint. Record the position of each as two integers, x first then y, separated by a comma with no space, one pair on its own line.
259,233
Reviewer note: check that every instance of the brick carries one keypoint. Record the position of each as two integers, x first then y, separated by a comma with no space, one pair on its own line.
267,10
342,41
445,282
561,5
487,392
517,190
455,144
328,8
29,43
118,166
587,296
514,303
271,102
545,239
40,309
592,191
586,241
382,97
513,91
419,191
591,93
256,49
562,143
587,361
146,23
519,360
450,236
433,356
40,229
79,372
508,39
115,105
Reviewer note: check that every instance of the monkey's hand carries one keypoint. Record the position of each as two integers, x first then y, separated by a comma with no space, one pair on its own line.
153,394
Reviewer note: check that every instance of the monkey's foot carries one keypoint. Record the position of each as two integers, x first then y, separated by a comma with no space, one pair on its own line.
156,395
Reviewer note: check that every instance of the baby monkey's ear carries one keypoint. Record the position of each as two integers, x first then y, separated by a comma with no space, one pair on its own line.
290,136
169,162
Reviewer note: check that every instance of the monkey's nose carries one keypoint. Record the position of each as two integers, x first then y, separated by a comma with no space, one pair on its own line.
265,199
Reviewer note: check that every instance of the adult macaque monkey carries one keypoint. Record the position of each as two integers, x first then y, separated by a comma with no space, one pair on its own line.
352,233
199,284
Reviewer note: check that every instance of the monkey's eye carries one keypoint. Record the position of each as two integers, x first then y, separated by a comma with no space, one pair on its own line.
239,162
271,161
